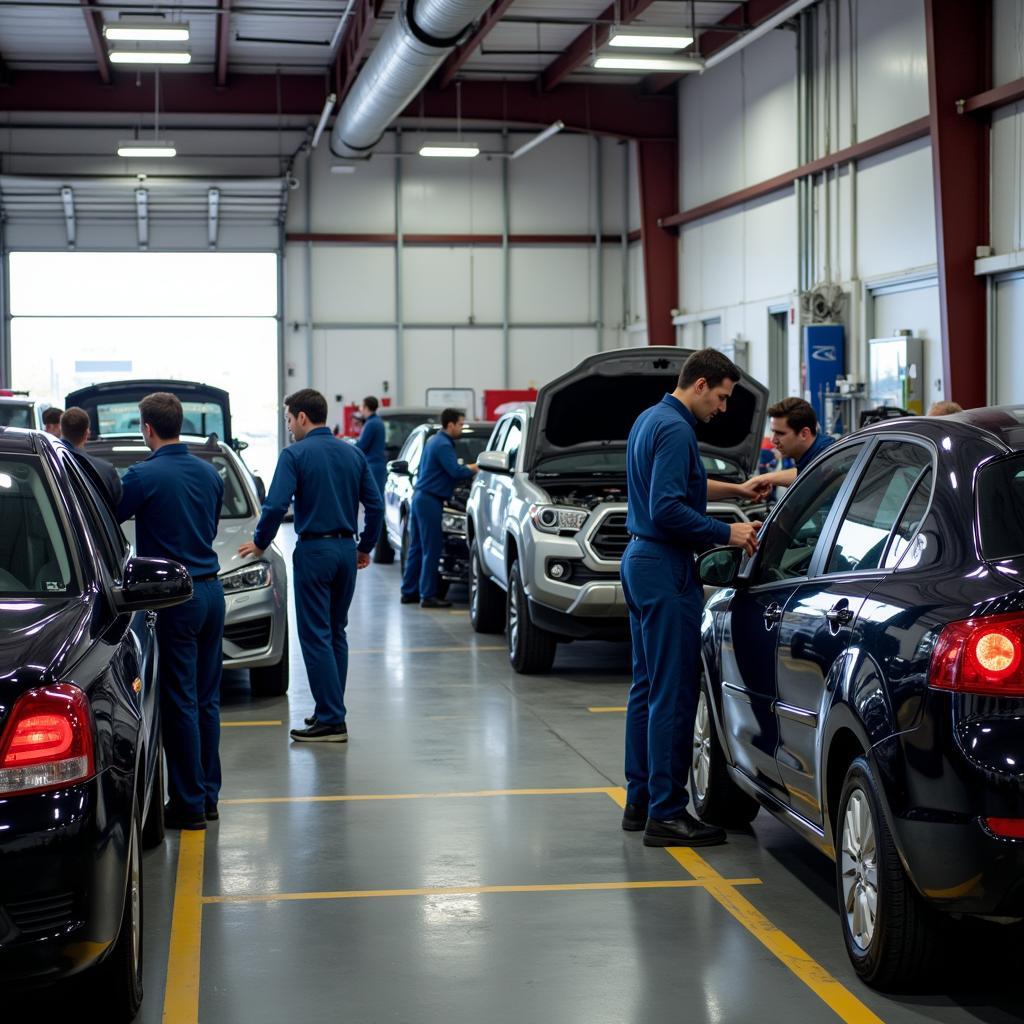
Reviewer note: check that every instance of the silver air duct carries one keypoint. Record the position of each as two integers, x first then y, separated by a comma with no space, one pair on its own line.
415,44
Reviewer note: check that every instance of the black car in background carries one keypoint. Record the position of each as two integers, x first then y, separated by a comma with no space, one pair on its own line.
401,481
863,679
81,788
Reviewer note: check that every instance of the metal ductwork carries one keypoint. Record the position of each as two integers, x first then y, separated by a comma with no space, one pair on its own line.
414,45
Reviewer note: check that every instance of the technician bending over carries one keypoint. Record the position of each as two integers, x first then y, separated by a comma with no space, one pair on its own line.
328,479
668,521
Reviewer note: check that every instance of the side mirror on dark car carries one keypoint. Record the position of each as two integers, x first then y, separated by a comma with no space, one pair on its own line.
720,567
151,584
399,467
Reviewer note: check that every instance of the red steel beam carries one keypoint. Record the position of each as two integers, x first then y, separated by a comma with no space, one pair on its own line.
94,24
909,132
992,99
959,64
362,238
589,40
223,35
461,54
354,44
659,193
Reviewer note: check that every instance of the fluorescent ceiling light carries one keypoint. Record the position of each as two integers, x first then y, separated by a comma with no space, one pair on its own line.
324,114
450,150
650,42
552,129
343,169
146,30
146,148
649,63
150,57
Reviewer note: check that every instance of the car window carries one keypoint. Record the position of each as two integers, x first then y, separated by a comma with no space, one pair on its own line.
199,418
882,492
908,540
415,453
13,415
494,445
106,533
1001,508
793,534
512,440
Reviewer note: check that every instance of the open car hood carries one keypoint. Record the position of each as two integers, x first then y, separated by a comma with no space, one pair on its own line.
112,407
594,406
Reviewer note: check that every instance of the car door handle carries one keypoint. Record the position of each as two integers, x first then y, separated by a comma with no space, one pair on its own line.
840,615
772,614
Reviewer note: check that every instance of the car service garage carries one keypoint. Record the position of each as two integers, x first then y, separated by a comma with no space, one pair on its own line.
511,510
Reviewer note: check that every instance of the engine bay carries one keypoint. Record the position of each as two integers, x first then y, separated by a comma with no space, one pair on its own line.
587,496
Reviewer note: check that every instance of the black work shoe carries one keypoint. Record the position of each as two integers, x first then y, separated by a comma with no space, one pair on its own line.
685,830
212,814
321,733
175,818
434,602
634,818
410,599
311,720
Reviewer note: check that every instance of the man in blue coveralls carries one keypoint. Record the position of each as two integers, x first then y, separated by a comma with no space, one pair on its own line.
371,442
668,521
176,498
329,479
794,432
440,471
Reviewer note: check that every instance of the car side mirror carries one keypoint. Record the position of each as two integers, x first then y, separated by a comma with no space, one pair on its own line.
399,467
494,462
152,583
720,567
261,488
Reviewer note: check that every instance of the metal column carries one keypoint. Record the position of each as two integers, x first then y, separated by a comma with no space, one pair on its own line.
5,311
399,312
506,270
309,271
599,239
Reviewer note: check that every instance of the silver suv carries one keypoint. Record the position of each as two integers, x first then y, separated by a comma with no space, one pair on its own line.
546,522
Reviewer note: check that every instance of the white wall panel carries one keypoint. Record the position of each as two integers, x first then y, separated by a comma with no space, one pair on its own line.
540,354
614,155
770,246
451,196
427,362
451,286
916,310
551,285
1008,34
1009,362
551,187
637,286
769,97
353,284
352,364
452,358
1007,198
723,247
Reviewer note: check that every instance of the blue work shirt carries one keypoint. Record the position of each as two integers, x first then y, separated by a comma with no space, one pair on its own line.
176,498
667,482
440,469
329,479
371,441
821,442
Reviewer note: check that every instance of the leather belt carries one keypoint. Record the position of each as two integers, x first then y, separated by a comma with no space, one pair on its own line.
333,535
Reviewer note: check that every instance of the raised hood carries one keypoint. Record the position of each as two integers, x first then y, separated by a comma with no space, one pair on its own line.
112,407
594,406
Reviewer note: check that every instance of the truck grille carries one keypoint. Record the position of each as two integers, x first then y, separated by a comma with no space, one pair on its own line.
34,917
251,635
610,539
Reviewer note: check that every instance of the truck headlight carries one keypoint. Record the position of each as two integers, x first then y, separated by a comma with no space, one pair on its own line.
453,522
249,577
556,518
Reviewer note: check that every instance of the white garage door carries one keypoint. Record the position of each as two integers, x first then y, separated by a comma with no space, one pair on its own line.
1008,371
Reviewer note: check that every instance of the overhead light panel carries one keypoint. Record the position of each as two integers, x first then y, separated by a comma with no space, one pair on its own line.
324,115
343,169
150,57
552,129
146,30
455,150
649,63
650,41
146,148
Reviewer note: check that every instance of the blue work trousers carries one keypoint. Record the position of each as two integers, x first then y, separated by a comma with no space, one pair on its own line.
325,580
426,541
189,640
665,602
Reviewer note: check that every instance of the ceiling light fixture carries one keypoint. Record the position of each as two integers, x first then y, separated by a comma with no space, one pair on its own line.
324,115
633,63
146,30
650,41
146,148
449,149
343,169
150,57
552,129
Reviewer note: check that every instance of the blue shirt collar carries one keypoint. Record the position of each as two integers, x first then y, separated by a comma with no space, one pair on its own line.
820,443
169,449
673,403
319,430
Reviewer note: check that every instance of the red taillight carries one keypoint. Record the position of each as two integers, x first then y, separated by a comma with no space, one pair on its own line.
47,741
980,656
1008,828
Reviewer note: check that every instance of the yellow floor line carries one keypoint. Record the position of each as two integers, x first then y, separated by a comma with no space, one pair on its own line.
831,992
607,711
456,649
247,725
357,798
181,995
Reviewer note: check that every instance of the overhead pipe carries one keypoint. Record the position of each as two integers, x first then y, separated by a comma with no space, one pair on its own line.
758,32
412,48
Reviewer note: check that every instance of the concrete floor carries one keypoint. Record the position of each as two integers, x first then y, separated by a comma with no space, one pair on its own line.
435,709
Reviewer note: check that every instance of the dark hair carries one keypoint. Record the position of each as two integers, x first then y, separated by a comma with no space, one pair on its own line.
163,412
52,416
74,425
311,402
452,416
370,402
710,364
797,413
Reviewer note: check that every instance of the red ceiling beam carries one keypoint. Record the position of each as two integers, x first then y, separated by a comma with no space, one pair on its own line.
659,194
94,24
590,40
959,40
223,35
354,45
453,65
992,99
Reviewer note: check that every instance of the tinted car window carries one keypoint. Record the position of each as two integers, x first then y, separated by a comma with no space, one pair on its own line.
200,418
512,441
793,534
881,494
34,559
12,415
1001,508
906,541
414,453
105,532
398,428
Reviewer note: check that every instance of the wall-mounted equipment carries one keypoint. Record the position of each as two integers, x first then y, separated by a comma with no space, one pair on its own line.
896,372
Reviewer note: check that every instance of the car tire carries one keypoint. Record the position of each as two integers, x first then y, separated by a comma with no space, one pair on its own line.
531,650
486,598
716,798
271,680
383,553
153,826
894,945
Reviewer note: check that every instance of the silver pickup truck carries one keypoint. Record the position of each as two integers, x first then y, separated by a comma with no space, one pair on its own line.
546,517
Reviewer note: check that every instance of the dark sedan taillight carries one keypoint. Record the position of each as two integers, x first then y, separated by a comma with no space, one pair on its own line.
980,655
47,741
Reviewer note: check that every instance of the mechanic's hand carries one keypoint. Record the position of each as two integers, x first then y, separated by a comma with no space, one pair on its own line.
248,548
473,466
362,560
755,489
744,535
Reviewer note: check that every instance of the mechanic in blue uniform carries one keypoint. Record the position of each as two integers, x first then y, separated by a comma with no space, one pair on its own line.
667,518
371,442
328,479
794,432
440,471
176,498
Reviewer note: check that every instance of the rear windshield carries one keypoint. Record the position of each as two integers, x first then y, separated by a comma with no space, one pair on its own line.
14,415
200,420
1001,508
398,428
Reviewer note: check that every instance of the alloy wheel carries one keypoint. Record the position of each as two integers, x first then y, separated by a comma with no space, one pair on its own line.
860,869
701,761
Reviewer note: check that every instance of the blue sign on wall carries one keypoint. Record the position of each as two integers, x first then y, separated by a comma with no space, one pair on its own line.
824,359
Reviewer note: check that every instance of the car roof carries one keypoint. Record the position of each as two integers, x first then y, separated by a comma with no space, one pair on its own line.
472,424
18,439
409,410
1004,424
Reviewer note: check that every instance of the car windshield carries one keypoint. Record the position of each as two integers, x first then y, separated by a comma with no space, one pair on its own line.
236,502
34,559
14,414
200,418
398,428
471,444
1001,508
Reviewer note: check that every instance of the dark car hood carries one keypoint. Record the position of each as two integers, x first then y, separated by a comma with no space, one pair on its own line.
594,406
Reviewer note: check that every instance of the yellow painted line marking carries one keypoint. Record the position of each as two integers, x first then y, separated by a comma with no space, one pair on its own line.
181,996
413,796
467,890
835,995
607,711
460,649
250,725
